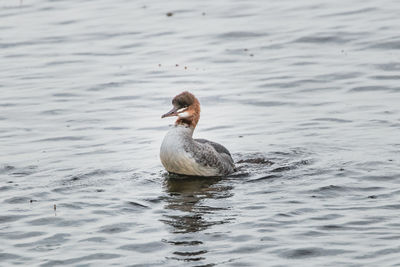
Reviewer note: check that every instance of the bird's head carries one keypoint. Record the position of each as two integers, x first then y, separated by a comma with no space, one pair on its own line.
186,107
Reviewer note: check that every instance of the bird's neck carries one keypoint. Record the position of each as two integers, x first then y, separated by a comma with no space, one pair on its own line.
183,130
185,124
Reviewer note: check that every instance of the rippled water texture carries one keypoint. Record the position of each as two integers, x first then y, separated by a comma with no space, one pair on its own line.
305,94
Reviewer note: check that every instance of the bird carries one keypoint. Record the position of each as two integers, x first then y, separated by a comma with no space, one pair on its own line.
181,154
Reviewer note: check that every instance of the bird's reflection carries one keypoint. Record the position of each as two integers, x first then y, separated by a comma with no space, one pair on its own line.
192,206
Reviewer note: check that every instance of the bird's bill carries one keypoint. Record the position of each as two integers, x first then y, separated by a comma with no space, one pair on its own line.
173,112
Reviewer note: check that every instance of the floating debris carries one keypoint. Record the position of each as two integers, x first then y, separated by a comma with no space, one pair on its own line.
169,14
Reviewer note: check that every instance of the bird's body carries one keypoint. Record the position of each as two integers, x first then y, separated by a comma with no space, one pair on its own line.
182,154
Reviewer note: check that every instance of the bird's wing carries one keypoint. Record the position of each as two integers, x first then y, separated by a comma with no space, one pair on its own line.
219,148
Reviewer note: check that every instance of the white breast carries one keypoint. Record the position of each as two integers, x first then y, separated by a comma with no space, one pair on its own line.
174,157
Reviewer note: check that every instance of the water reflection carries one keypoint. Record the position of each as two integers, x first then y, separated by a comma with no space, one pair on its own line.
191,209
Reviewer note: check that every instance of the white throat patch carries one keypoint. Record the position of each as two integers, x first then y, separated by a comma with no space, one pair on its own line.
184,114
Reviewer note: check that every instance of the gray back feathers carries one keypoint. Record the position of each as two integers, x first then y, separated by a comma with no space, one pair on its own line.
219,148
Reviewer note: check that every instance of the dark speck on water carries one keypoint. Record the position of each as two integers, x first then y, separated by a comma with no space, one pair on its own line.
304,94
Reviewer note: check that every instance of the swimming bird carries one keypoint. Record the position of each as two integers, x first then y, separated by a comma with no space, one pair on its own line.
181,154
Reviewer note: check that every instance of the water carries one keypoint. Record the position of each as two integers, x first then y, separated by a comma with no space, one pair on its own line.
305,94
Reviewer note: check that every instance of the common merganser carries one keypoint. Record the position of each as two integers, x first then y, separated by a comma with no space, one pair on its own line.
181,154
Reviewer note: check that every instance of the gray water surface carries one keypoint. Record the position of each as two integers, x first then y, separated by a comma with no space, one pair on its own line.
305,95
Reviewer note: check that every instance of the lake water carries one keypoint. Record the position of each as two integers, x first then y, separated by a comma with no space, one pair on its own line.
305,94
